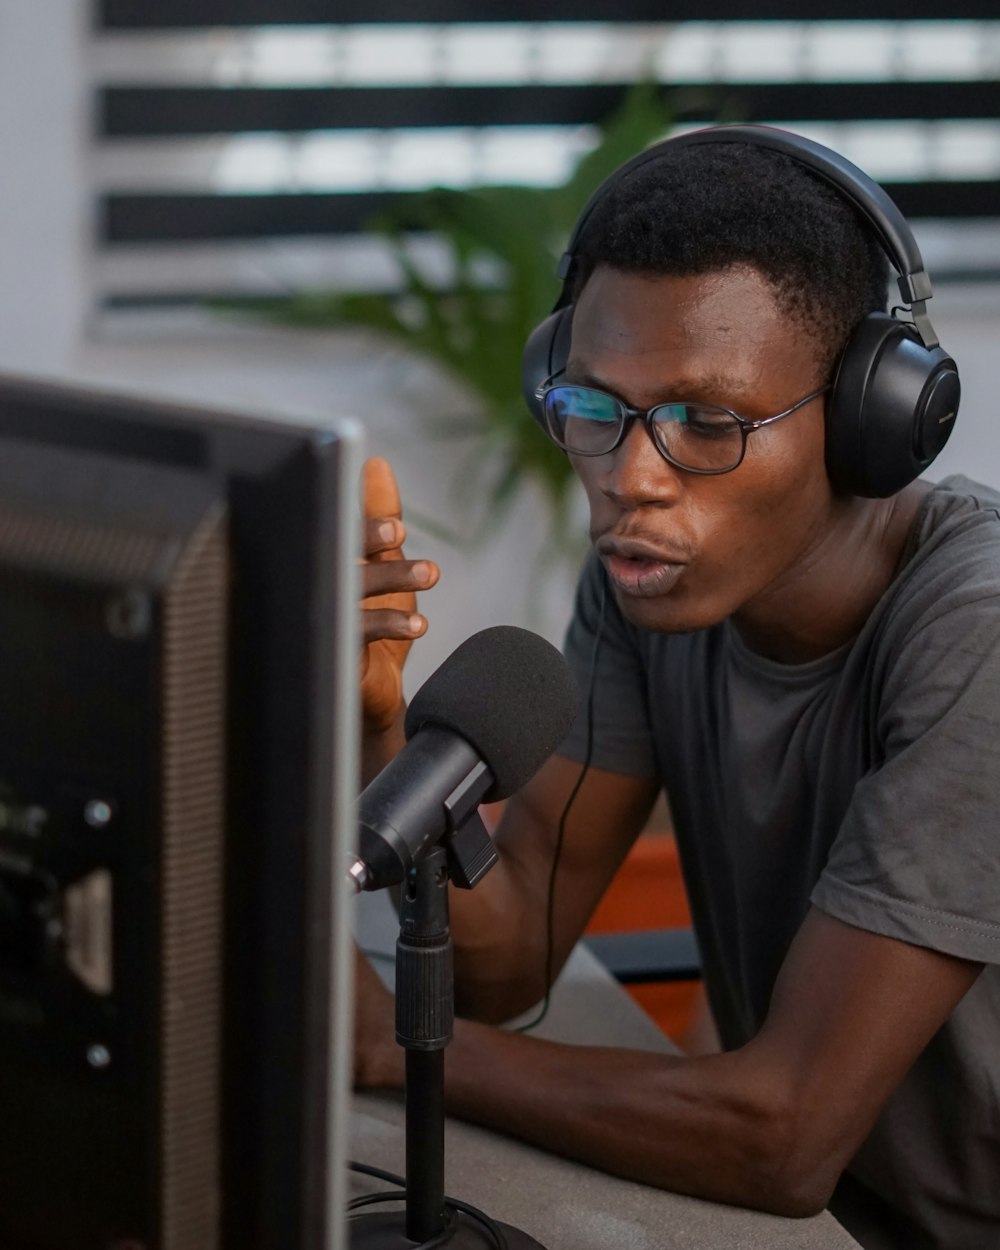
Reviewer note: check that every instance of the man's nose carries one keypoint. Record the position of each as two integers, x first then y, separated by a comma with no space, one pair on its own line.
635,473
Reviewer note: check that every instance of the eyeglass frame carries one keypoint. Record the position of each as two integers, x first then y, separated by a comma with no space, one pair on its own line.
746,425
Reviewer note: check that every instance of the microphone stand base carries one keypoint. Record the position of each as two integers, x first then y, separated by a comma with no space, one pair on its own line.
387,1231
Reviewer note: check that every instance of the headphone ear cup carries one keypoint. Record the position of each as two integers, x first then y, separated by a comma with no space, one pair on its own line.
891,409
545,354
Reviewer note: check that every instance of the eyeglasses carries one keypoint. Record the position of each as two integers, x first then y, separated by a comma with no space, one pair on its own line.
702,438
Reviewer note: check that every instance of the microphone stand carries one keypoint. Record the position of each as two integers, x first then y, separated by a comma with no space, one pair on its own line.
425,1011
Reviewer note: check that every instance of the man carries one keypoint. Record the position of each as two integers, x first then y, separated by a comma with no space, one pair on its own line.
813,677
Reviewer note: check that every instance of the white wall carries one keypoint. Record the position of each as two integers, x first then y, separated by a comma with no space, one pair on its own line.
967,320
43,201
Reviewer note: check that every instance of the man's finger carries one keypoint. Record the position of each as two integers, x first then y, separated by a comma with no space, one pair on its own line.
396,577
381,494
379,623
383,534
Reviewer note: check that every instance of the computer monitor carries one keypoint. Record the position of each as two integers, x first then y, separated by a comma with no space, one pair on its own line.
178,663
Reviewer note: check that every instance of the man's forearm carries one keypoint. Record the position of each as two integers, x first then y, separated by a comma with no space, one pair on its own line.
501,930
499,935
706,1126
709,1126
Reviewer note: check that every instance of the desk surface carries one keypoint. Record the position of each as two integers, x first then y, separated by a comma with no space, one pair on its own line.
564,1205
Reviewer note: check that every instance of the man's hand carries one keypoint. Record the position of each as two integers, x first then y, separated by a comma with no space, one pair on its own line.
390,621
378,1061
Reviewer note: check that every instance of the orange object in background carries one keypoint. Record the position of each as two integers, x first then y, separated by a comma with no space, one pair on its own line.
648,893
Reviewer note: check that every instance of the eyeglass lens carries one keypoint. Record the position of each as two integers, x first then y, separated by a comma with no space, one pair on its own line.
695,436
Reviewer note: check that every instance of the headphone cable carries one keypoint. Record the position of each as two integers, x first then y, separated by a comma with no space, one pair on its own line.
561,832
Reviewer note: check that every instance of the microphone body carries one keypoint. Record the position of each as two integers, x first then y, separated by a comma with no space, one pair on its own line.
478,729
405,810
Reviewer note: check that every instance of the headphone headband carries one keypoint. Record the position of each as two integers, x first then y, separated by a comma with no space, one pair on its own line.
875,205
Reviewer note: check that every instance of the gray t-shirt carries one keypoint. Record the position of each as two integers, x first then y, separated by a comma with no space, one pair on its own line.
866,783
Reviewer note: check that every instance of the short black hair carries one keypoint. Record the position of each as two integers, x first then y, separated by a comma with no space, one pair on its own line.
704,209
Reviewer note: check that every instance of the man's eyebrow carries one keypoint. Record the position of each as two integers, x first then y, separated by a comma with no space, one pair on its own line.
710,387
583,377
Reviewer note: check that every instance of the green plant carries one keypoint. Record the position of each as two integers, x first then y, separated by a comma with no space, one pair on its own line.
502,244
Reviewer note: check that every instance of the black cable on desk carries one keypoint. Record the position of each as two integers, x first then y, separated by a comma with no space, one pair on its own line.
451,1205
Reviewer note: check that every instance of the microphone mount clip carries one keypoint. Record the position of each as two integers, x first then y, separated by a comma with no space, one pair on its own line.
467,844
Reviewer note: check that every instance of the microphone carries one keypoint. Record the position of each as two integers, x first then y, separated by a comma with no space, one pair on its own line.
477,730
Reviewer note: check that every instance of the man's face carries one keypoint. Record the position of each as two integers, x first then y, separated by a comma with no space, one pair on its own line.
684,551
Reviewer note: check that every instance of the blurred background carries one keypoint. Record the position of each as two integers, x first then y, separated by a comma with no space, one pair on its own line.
234,201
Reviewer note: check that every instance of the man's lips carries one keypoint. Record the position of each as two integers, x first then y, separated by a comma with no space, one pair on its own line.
639,568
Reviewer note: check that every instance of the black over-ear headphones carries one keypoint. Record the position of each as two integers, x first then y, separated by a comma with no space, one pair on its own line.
895,392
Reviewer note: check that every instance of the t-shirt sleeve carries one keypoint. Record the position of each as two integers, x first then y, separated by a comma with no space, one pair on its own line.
917,856
613,715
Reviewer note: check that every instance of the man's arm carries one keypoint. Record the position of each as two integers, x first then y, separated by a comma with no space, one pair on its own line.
500,929
770,1125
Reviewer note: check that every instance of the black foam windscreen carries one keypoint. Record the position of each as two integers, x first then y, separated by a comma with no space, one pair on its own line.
509,694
